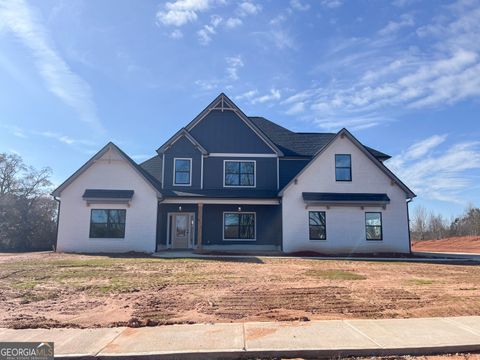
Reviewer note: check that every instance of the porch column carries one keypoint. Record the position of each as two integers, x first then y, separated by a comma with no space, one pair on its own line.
200,225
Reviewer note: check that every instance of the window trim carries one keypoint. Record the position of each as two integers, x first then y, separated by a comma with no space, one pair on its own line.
175,171
343,167
381,225
241,186
107,237
240,212
325,214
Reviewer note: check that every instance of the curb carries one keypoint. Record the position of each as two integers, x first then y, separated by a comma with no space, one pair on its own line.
306,353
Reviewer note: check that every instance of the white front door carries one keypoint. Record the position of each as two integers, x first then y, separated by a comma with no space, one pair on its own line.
182,231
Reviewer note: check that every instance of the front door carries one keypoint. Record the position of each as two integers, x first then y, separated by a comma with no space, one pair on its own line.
182,231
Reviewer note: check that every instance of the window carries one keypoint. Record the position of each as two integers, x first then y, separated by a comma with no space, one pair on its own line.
343,167
239,226
239,173
107,223
182,173
317,225
373,225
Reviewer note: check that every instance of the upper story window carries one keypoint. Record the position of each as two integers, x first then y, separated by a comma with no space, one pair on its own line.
373,225
107,223
182,175
239,173
343,167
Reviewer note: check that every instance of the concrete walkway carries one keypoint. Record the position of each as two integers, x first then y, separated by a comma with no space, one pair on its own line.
421,257
328,338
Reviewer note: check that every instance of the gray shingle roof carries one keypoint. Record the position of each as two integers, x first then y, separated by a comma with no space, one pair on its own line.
154,167
300,144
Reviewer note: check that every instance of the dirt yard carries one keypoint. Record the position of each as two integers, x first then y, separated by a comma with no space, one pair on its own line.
58,290
464,244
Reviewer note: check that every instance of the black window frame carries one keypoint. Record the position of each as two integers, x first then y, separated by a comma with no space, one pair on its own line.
374,226
343,167
254,167
310,225
175,171
239,232
109,233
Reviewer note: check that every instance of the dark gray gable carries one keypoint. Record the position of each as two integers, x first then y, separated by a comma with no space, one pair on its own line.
182,133
230,111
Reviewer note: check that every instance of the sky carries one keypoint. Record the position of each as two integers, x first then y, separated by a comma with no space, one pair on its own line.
402,75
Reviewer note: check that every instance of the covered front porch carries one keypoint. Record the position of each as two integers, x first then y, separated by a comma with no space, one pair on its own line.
219,225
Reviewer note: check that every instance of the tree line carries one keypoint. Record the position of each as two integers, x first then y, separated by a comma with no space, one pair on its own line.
27,211
430,226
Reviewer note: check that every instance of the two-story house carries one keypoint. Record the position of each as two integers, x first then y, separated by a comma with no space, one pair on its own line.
227,181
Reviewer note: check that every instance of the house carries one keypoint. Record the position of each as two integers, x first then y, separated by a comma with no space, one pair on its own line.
227,181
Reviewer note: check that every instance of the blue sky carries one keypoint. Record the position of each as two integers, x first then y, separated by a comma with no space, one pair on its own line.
402,75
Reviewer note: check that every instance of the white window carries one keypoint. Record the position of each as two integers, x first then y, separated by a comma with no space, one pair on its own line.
373,226
239,173
239,226
182,172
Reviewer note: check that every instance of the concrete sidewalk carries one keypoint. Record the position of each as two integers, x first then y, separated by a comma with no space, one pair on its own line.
329,338
426,257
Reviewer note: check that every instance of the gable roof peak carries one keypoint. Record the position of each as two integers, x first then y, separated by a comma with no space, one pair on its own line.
109,146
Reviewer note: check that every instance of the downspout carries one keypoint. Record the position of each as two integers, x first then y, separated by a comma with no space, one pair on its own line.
408,222
58,221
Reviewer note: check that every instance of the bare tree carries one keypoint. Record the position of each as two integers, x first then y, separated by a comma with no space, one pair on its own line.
419,227
27,212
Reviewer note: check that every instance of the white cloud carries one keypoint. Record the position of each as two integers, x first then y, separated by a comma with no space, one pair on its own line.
332,4
248,8
272,96
234,63
208,85
370,81
207,31
298,5
181,12
280,38
247,95
440,174
70,88
296,108
176,34
406,20
15,131
232,23
66,139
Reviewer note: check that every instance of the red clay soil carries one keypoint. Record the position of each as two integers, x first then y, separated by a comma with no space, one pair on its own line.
61,290
463,244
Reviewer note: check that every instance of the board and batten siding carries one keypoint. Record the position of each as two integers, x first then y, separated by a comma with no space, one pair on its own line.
183,149
345,225
111,171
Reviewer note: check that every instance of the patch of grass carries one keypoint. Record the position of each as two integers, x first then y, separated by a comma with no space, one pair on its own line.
31,296
421,282
335,274
25,285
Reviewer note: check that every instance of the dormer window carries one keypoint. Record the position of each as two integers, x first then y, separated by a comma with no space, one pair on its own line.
182,175
343,167
239,173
